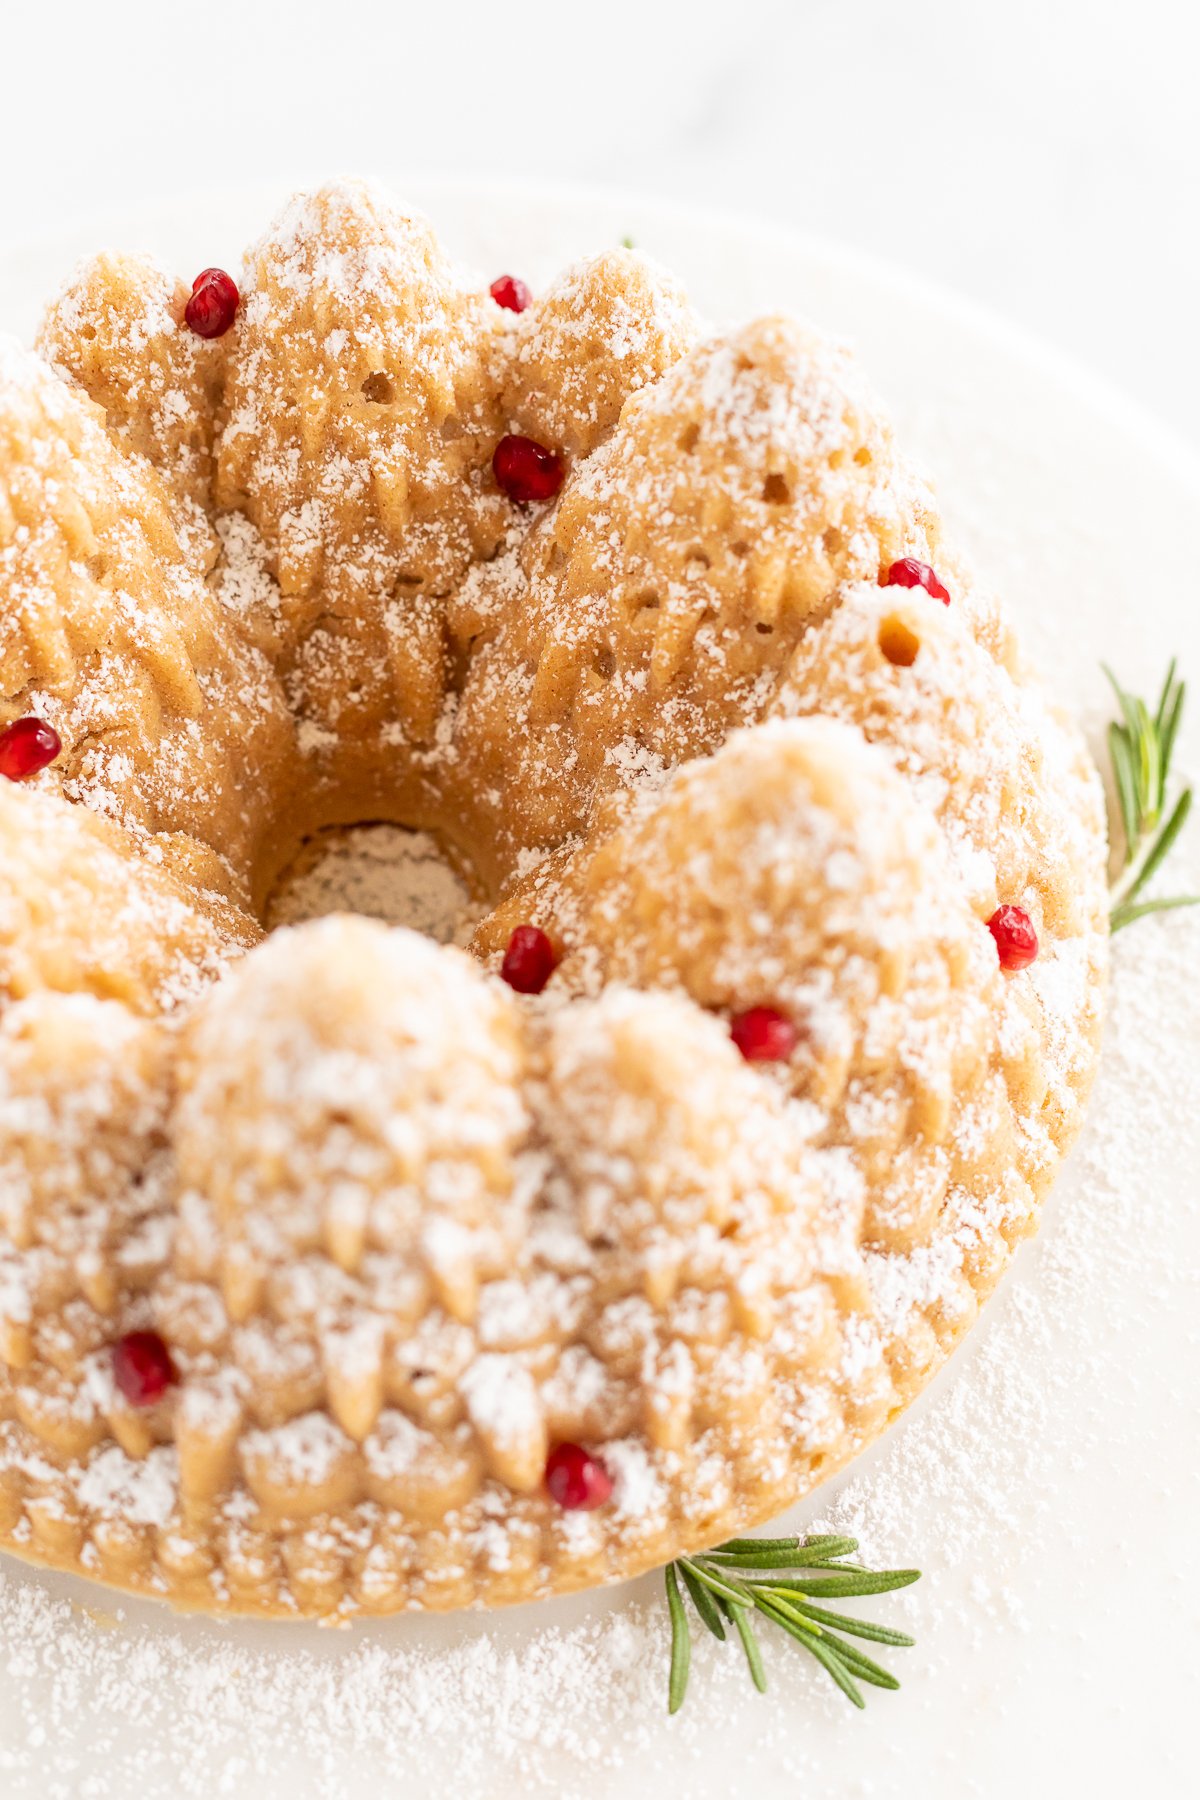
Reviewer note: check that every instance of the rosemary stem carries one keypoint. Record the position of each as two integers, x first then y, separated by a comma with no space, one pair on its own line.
1130,875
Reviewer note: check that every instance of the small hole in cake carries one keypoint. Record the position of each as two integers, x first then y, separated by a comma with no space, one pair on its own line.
604,663
740,547
698,560
451,429
742,363
776,491
833,541
900,645
763,629
378,389
383,871
863,457
836,459
646,601
689,437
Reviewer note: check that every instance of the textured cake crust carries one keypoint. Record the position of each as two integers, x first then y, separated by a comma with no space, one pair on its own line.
403,1229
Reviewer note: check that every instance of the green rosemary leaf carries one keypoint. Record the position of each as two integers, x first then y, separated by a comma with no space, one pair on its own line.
745,1630
1170,726
862,1628
831,1661
731,1589
1166,722
1166,698
681,1644
704,1603
786,1554
768,1559
863,1667
1128,708
1118,750
839,1565
734,1545
851,1586
1150,763
1126,915
793,1622
1162,845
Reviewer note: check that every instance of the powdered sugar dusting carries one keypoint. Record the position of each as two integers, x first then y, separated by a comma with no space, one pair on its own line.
382,871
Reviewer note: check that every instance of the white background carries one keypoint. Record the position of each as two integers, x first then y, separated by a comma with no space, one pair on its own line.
1039,155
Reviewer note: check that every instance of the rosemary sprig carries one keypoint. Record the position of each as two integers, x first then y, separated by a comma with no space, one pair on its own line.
792,1575
1141,745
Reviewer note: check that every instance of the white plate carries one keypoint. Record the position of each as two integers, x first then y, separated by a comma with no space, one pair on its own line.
1046,1483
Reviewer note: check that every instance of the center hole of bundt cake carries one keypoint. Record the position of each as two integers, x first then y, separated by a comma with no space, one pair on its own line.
385,871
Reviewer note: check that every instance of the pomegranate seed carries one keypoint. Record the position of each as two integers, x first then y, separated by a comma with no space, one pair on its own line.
27,746
1016,939
525,470
576,1480
910,573
529,961
213,305
142,1367
510,292
763,1035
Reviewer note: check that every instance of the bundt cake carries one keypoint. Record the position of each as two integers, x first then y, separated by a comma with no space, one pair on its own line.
344,1271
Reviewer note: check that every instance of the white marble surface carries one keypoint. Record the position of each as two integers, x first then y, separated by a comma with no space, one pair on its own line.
1041,156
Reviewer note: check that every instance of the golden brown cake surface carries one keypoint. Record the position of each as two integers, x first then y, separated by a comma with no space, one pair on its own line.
402,1229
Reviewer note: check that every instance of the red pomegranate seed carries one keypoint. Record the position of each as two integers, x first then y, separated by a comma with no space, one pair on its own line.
27,746
142,1367
1016,939
910,573
510,292
525,470
763,1034
529,961
576,1480
213,305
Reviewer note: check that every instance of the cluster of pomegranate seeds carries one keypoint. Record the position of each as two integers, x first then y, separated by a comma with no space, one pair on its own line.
525,470
26,746
213,305
529,961
763,1034
510,292
1016,939
909,573
576,1480
142,1367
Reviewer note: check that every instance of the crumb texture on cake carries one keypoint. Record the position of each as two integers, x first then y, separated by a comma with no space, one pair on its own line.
403,1229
